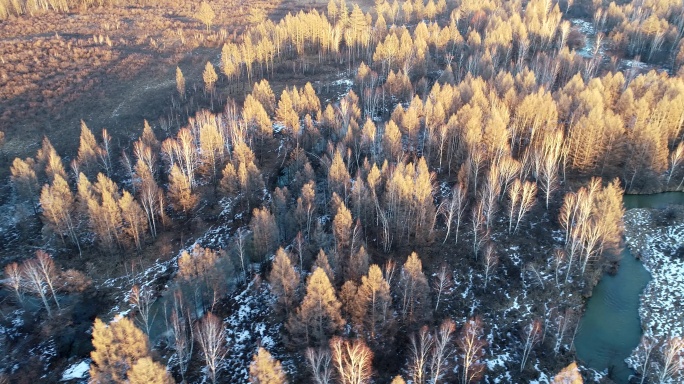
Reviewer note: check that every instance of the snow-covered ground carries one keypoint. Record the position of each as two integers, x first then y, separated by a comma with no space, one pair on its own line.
656,246
77,372
663,298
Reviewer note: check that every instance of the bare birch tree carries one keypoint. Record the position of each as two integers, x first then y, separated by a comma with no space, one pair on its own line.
453,209
142,300
211,337
319,362
352,360
490,260
531,336
442,283
672,360
471,345
183,340
442,350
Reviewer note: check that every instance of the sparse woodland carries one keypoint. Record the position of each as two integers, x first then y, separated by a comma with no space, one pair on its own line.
439,220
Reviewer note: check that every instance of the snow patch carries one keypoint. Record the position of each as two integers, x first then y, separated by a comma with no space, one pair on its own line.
76,371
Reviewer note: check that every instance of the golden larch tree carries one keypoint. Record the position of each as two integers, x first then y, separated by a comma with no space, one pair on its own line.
180,83
205,14
264,369
568,375
319,315
87,150
210,77
146,371
117,347
180,192
284,281
134,220
265,231
59,207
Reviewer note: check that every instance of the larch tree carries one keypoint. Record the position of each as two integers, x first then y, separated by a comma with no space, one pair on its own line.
48,156
284,281
342,230
323,263
265,232
257,118
285,113
414,291
265,369
318,317
212,145
134,220
338,176
104,214
205,14
180,192
180,83
117,347
148,195
59,209
147,371
211,337
87,150
568,375
23,177
374,295
210,77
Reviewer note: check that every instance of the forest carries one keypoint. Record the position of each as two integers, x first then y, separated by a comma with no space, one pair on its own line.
305,192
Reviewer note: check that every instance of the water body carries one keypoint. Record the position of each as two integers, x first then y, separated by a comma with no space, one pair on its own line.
610,327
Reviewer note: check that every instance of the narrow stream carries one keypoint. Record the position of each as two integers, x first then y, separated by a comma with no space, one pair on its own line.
610,327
